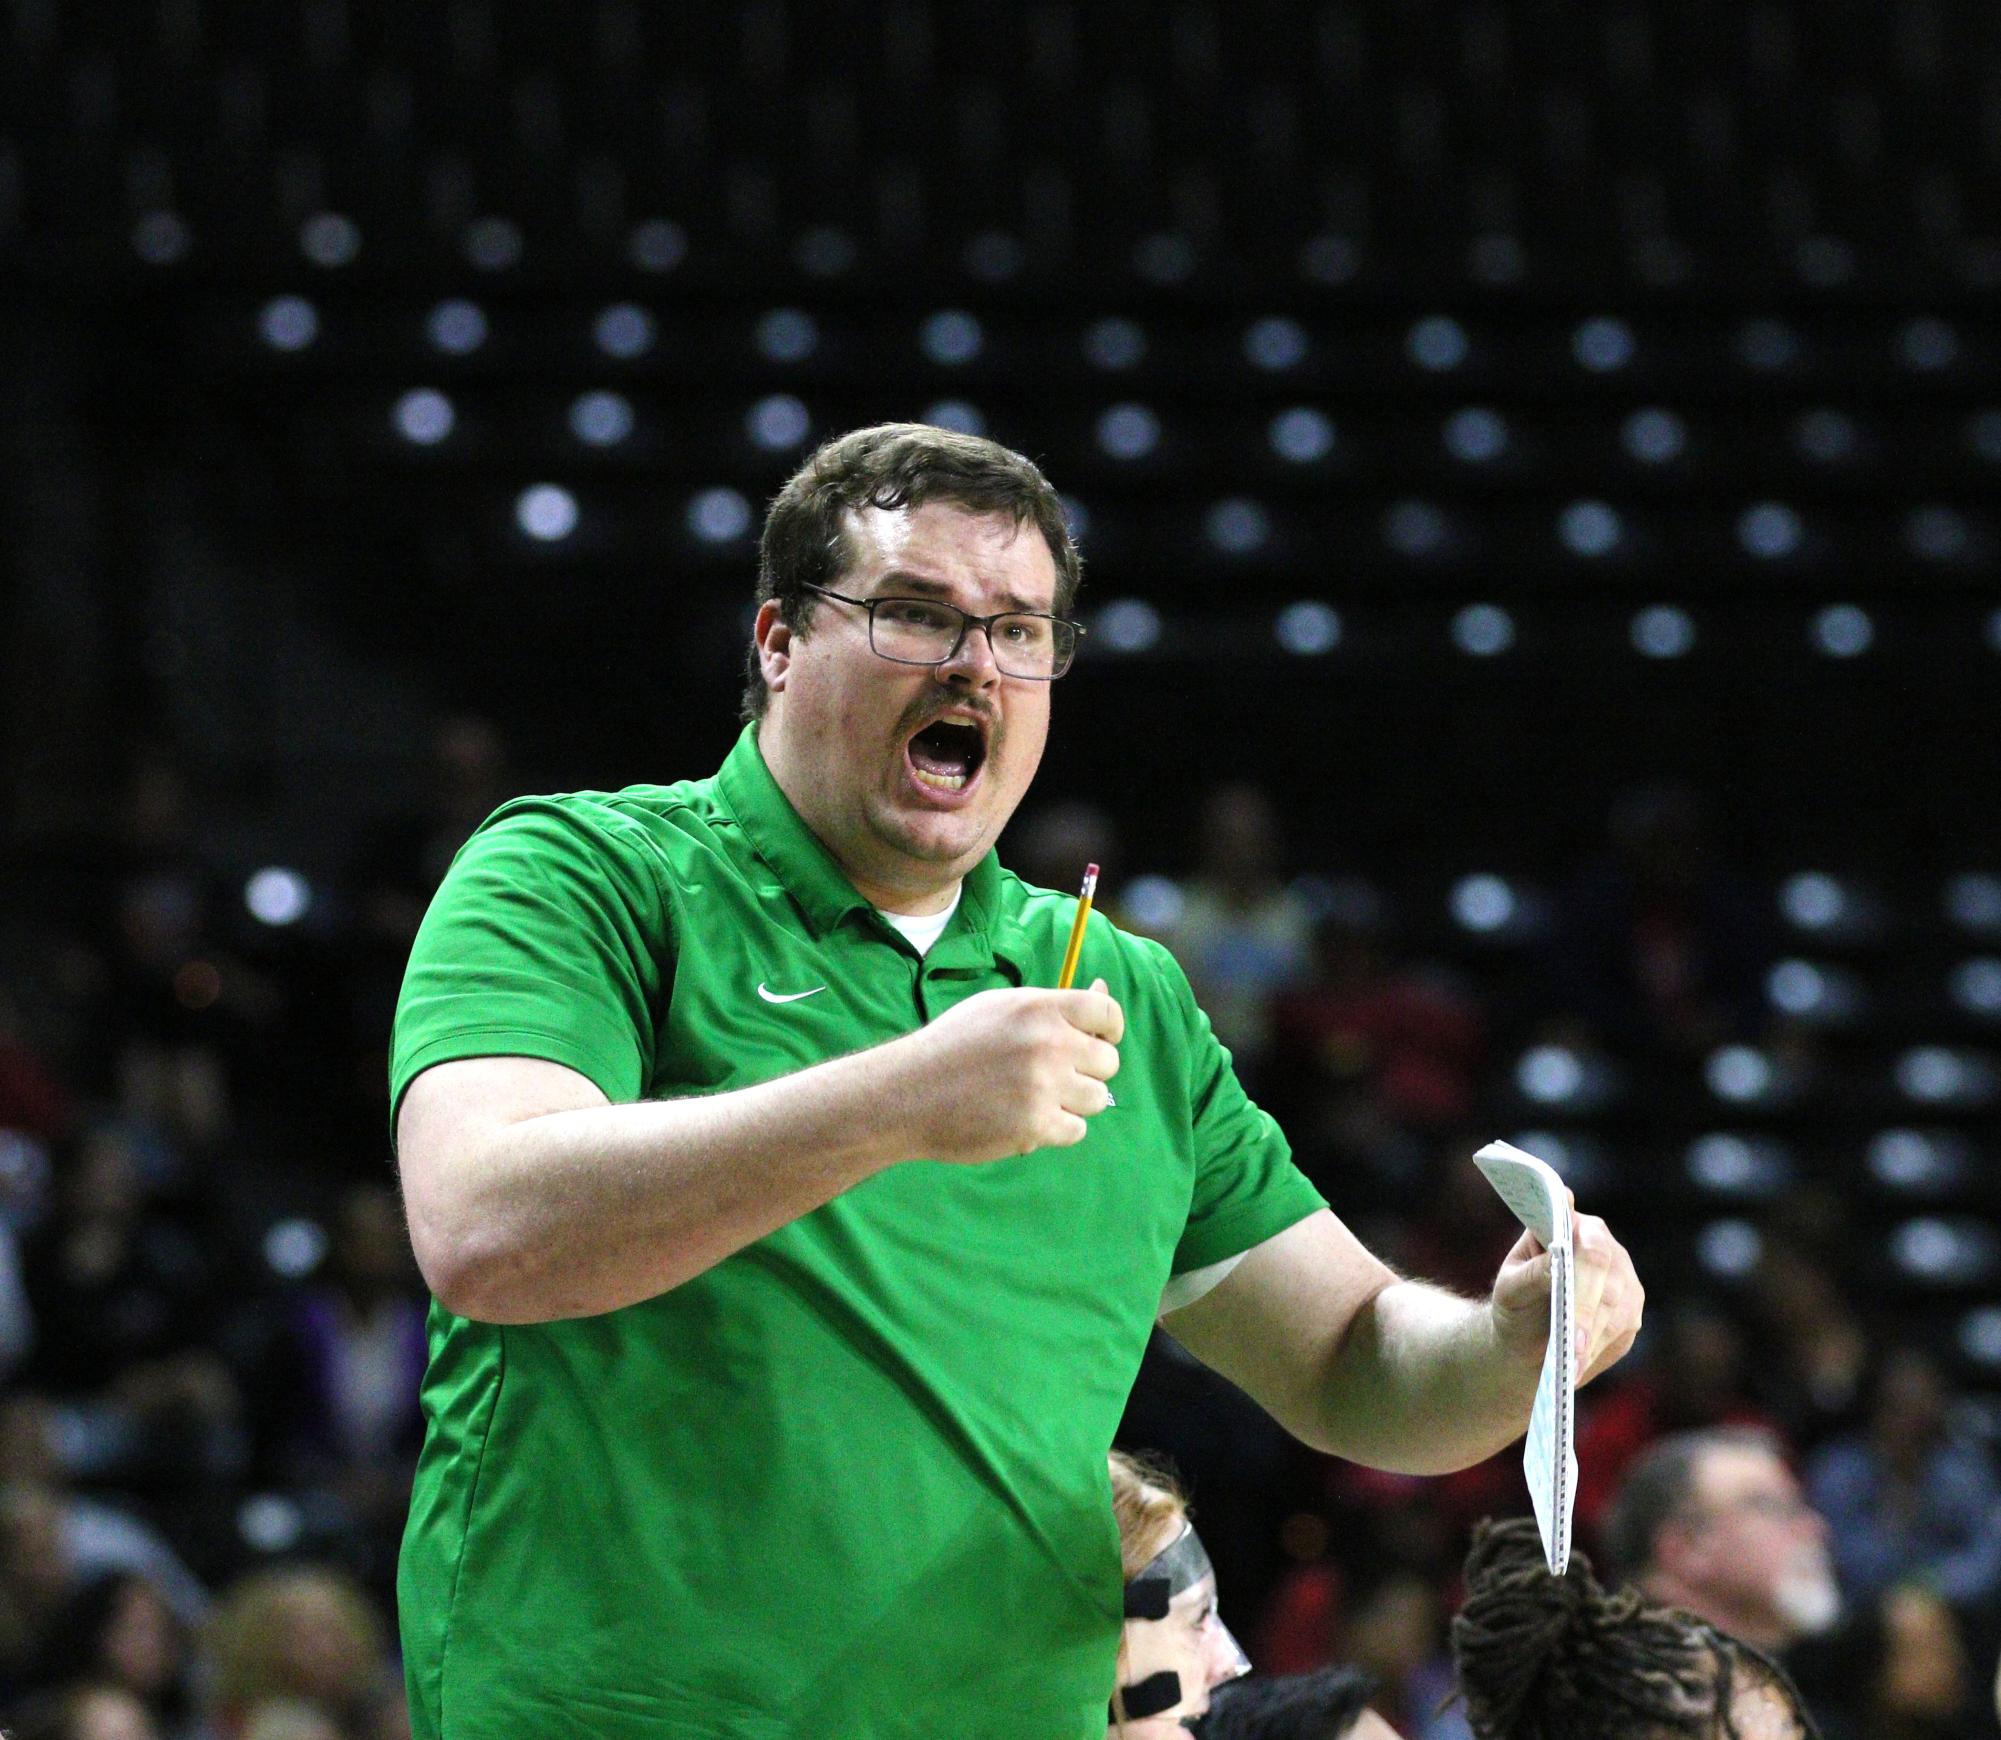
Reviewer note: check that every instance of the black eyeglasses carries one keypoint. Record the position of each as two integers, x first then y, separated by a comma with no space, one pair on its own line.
927,631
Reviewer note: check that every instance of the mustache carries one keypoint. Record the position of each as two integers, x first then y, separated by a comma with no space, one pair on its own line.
919,717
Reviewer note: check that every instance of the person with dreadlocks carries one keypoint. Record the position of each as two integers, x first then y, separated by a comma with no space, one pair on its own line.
1559,1658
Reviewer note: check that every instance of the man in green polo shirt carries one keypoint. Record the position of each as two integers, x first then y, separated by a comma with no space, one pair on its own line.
794,1249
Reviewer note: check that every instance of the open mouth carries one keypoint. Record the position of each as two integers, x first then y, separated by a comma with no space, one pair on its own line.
947,754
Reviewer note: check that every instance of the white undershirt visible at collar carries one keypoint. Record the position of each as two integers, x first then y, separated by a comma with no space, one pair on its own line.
922,929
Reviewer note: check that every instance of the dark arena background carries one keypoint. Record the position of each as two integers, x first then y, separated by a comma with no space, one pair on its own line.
1536,466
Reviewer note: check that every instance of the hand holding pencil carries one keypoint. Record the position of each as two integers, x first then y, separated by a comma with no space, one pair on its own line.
1007,1072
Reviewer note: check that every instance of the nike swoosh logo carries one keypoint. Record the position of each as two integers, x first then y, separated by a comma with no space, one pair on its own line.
771,996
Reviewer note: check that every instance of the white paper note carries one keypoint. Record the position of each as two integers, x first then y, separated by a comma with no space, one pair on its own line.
1531,1188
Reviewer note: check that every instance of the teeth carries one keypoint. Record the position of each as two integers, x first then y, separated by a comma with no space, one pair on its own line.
940,781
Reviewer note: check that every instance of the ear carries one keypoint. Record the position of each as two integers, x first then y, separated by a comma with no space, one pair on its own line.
773,636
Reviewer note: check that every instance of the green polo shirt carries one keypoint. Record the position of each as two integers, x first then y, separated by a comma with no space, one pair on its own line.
851,1481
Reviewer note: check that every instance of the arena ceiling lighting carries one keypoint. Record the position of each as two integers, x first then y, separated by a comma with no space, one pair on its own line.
288,323
1976,986
424,416
1603,345
1437,344
601,418
1724,1163
1475,435
161,238
1128,431
1114,344
1927,344
1483,904
1329,259
1551,1075
1973,902
1654,435
1483,631
1915,1162
1164,258
1590,529
1826,436
719,516
456,327
1663,631
951,337
1729,1249
1812,900
1842,631
779,423
786,335
1127,625
330,240
1741,1074
1238,526
1767,346
1937,534
277,896
1302,435
624,331
493,244
657,245
546,512
957,415
1983,435
1769,530
1416,528
1275,344
1309,628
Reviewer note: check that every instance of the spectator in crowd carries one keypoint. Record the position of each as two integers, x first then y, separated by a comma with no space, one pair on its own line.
1694,1376
1912,1496
349,1368
1814,1350
298,1632
1372,1058
118,1630
1558,1658
1714,1521
1327,1704
96,1538
1659,950
1242,935
84,1712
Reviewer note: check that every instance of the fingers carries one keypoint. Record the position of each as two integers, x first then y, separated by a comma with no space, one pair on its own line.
1085,1096
1094,1011
1610,1299
1096,1058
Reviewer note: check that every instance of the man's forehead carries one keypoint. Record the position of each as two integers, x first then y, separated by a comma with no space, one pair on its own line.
1738,1470
942,546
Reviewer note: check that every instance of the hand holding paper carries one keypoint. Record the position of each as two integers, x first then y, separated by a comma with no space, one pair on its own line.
1578,1302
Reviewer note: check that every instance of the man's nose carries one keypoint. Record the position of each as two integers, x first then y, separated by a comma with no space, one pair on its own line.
973,664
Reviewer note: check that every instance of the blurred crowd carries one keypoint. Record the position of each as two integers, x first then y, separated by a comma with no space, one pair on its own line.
211,1328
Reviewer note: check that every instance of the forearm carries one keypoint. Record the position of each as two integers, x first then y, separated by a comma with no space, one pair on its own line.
574,1213
1420,1383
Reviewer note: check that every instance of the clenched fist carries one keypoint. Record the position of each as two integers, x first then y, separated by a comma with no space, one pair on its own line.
1007,1072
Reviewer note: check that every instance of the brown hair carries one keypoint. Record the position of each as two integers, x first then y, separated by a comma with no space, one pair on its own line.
1557,1658
1149,1507
890,466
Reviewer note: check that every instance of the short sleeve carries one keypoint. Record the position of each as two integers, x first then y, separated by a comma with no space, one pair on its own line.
1247,1188
548,938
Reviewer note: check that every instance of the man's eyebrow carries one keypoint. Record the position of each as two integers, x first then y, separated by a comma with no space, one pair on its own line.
899,582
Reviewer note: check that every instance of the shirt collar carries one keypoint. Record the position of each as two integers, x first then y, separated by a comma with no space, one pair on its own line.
979,930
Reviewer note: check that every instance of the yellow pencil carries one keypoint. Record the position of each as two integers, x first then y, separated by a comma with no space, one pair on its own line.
1077,928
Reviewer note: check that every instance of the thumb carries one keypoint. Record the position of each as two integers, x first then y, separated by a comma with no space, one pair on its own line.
1100,985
